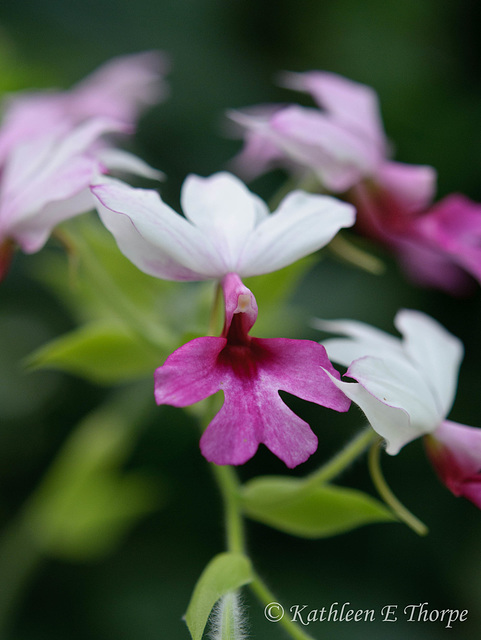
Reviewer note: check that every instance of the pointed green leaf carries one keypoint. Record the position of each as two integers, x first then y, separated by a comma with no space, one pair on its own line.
225,573
102,353
86,503
293,506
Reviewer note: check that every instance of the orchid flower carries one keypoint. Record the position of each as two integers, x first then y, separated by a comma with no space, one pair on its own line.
119,90
250,372
228,233
455,453
53,146
406,387
46,180
342,142
226,228
442,247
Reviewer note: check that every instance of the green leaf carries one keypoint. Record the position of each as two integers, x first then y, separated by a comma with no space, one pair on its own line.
104,353
225,573
296,507
86,503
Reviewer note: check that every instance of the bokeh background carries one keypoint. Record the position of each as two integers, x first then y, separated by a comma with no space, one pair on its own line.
423,58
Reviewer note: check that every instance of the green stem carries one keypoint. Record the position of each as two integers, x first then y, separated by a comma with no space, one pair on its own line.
213,320
19,560
274,612
387,495
344,249
230,490
343,459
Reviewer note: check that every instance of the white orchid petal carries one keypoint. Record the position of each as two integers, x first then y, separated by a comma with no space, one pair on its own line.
118,160
302,224
391,423
398,384
373,339
225,210
354,105
153,236
32,232
436,353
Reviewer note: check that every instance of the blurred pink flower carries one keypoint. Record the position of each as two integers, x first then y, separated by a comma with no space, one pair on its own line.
444,248
344,145
250,372
455,453
342,142
54,145
120,90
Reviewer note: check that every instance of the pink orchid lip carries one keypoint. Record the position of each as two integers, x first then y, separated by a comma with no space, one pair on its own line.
240,310
250,372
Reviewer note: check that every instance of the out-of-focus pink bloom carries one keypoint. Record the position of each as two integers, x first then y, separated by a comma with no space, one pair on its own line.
344,145
342,142
439,246
451,231
120,90
406,388
226,228
455,453
53,146
250,372
47,180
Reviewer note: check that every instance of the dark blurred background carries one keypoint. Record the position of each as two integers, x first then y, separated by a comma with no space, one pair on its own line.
423,58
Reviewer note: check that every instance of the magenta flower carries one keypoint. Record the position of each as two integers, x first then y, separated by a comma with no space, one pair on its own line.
443,245
455,453
227,233
53,146
250,372
406,388
437,247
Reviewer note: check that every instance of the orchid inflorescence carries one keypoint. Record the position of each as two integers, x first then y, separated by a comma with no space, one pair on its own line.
59,155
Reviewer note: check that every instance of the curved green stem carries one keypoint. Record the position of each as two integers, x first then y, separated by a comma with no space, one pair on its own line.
268,599
343,459
354,255
387,495
230,489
